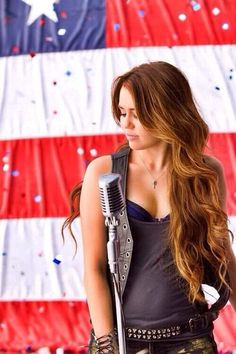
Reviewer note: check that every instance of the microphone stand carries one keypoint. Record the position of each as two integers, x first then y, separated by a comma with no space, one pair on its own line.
113,251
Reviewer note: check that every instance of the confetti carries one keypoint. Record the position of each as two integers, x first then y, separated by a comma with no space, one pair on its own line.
231,76
182,17
58,259
42,22
68,73
195,5
63,14
141,13
80,151
216,11
5,167
15,49
5,159
4,253
93,152
48,39
37,198
15,173
217,88
61,32
32,54
116,26
225,26
41,309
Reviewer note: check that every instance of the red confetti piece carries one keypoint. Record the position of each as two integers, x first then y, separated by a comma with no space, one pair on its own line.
63,14
15,49
42,22
32,54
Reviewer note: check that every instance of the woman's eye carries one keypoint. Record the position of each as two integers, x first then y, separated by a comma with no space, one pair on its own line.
123,114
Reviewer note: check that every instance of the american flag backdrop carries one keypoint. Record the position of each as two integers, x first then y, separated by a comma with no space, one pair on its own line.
58,59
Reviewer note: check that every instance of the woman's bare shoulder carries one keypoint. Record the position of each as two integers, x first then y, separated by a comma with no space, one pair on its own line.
99,165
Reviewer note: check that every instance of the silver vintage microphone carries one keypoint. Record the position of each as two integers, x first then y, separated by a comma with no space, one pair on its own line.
112,199
113,203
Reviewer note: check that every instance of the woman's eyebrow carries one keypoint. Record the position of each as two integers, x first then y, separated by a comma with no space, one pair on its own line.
132,109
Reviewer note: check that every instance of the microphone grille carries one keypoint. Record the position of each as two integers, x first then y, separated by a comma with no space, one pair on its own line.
111,196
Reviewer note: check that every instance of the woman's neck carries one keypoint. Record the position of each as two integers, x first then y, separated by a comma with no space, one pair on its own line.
156,158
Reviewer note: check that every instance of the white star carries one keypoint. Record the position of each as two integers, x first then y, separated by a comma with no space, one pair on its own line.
41,7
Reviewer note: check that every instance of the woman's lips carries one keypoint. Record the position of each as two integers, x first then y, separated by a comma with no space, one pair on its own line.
131,137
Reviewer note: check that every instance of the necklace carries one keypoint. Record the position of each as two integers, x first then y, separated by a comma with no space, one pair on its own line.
150,173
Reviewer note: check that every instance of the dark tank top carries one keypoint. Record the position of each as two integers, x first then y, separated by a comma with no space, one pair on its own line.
154,295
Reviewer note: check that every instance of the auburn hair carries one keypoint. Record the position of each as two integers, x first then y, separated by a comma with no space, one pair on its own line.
198,229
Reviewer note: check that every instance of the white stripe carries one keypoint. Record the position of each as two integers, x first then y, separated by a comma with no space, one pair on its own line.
28,96
27,271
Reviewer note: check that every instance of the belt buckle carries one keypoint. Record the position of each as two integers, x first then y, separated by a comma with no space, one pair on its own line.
198,322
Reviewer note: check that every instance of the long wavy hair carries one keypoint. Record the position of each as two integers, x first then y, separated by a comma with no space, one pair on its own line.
198,231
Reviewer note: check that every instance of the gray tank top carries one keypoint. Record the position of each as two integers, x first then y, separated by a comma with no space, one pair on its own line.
154,296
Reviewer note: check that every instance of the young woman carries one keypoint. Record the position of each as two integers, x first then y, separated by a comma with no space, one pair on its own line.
175,236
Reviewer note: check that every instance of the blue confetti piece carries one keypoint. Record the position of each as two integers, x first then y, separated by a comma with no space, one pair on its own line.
4,253
15,173
196,7
68,73
217,88
141,13
57,259
116,26
231,76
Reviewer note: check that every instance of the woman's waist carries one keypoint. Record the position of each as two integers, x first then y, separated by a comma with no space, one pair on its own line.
173,329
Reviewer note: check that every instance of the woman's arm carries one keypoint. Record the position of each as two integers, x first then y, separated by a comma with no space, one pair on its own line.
94,246
232,259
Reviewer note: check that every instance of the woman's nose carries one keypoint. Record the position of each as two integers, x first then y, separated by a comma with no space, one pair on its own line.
128,121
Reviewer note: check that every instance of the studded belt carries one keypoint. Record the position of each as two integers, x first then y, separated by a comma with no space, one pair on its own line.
194,324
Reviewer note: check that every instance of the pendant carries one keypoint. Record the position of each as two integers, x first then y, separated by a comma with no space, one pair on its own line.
154,184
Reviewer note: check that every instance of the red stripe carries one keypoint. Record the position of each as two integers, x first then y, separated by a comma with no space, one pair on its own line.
225,330
151,23
26,326
29,325
48,168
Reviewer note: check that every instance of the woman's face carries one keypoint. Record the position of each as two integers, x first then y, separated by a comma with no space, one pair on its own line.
138,137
